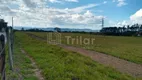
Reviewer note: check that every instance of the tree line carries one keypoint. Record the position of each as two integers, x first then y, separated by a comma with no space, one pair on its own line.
133,30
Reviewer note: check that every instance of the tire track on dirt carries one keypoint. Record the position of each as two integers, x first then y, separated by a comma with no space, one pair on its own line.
36,70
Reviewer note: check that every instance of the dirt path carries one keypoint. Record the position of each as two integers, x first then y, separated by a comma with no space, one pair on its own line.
108,60
119,64
36,70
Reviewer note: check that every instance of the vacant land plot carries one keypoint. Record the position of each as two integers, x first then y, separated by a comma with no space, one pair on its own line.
128,48
59,64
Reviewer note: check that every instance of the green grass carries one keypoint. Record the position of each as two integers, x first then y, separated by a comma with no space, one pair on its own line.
128,48
59,64
23,70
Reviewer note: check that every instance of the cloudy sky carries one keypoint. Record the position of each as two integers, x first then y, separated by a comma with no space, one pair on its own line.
71,13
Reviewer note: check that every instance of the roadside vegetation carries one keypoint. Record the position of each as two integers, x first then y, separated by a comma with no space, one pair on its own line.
59,64
23,69
128,48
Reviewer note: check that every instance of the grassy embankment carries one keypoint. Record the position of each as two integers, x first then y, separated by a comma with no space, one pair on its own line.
23,69
59,64
128,48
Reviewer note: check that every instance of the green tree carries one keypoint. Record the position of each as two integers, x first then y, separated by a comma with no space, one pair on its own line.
57,29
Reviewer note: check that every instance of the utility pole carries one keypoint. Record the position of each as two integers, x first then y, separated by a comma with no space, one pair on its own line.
12,22
102,23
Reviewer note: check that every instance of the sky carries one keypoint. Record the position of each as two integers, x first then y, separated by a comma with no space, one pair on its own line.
71,13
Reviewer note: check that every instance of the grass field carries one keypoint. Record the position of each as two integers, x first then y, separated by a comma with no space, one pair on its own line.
59,64
128,48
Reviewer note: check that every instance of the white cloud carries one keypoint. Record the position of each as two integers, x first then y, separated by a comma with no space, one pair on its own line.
29,3
30,13
122,23
54,1
72,0
76,19
137,17
82,8
61,1
120,2
105,2
134,19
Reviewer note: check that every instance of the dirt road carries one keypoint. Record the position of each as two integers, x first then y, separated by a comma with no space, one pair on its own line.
119,64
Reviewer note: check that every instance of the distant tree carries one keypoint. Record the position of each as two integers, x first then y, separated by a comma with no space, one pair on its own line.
124,28
128,27
22,29
35,30
57,29
133,30
137,25
141,27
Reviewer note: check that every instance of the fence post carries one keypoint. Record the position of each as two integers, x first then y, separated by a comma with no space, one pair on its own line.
10,49
12,41
2,39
